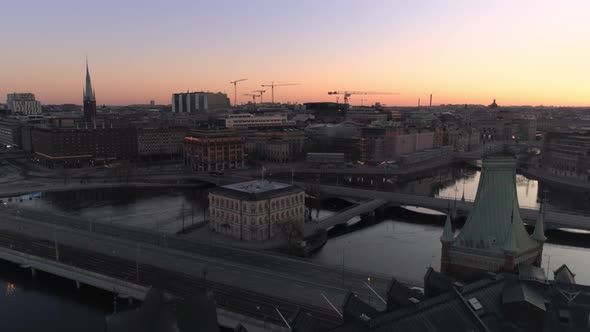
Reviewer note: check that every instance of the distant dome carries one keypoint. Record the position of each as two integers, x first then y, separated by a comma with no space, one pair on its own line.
494,105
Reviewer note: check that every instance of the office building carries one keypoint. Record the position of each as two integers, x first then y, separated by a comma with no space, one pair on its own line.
160,142
567,154
257,210
213,150
198,102
23,104
248,120
80,146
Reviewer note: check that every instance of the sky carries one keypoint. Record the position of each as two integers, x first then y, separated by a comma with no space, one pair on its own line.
521,52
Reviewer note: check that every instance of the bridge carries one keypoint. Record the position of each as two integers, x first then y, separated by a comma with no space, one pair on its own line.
553,218
345,215
127,261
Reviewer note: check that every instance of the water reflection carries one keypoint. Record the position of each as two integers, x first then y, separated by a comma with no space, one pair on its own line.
406,250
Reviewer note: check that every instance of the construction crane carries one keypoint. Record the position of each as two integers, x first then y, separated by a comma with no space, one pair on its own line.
347,94
272,88
260,92
254,96
235,83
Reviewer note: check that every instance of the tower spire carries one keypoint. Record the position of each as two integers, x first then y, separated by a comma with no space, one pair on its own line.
88,92
448,235
539,232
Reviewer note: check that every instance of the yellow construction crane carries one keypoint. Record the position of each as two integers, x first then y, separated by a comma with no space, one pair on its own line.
260,92
254,96
347,94
272,88
235,83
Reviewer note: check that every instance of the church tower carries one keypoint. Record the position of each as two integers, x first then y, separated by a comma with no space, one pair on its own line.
493,238
89,99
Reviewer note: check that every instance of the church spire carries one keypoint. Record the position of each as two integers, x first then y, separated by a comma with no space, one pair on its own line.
539,232
448,235
88,91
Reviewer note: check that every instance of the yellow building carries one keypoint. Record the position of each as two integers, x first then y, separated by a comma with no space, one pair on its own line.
257,210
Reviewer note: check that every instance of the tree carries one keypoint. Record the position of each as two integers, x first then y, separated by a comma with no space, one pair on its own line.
292,230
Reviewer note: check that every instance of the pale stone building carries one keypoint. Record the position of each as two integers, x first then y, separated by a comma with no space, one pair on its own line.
256,210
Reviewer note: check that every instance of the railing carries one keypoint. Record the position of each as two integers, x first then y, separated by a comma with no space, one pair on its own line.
183,285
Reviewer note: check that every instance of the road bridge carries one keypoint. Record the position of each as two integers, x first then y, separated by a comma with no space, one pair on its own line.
553,218
283,277
345,215
127,278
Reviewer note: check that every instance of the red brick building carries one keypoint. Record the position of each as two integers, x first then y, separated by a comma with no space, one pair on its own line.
213,150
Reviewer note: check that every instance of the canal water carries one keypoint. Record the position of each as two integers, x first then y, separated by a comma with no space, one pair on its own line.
402,248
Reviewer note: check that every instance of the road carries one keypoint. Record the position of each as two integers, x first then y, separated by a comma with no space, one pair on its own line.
175,283
267,273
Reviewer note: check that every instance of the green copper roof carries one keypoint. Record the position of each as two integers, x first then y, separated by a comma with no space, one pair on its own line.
490,223
539,233
448,235
510,244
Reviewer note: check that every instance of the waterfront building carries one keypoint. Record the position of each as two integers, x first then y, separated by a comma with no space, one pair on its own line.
249,120
79,146
23,104
189,102
325,160
15,130
213,150
389,141
567,154
334,138
160,142
257,210
493,238
89,99
257,143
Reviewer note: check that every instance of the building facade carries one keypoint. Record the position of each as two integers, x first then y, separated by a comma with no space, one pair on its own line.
257,210
567,154
257,145
493,238
198,101
213,150
248,120
160,142
389,143
76,147
277,151
23,104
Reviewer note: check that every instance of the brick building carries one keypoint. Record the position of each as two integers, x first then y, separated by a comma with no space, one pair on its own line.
75,147
213,150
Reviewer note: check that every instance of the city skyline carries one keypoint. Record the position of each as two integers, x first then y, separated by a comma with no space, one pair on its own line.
529,53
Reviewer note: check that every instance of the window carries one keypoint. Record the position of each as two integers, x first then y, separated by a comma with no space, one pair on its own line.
565,317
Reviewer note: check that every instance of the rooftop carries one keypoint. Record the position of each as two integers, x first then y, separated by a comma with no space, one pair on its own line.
256,186
256,190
